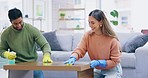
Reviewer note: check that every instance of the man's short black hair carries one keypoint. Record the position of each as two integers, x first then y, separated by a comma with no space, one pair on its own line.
14,14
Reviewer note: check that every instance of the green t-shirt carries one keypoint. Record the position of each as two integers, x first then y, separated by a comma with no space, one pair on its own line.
23,42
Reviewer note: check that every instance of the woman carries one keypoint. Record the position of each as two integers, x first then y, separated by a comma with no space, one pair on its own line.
102,46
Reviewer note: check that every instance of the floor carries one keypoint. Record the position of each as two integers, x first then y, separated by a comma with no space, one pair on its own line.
3,73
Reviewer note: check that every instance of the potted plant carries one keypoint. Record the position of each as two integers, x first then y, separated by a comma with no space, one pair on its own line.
62,15
114,14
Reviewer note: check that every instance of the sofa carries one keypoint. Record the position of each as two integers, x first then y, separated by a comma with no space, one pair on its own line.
134,64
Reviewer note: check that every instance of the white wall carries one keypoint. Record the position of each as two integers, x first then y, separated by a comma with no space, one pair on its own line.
5,5
49,16
139,15
90,5
45,24
134,9
123,8
27,8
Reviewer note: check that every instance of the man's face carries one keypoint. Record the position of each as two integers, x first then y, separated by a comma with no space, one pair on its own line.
17,23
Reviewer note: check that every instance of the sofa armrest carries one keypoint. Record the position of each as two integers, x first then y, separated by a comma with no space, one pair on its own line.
142,62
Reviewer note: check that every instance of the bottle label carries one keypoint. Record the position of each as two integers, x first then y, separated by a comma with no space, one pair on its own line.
11,61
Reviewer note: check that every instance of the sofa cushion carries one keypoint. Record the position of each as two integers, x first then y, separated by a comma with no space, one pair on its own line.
64,55
65,41
60,55
135,42
128,60
123,37
52,40
76,39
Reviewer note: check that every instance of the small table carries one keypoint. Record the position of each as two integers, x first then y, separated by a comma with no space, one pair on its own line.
22,70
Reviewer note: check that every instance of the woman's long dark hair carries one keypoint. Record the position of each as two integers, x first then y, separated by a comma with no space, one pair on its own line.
106,27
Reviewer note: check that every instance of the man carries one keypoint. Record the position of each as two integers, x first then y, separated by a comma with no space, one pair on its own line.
22,39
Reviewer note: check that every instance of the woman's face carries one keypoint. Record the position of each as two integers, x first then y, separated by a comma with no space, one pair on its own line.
94,24
17,23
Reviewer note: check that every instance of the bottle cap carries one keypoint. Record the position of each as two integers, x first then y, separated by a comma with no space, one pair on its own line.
13,52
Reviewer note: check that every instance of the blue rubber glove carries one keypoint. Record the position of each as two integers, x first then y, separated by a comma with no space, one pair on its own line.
38,74
101,63
70,61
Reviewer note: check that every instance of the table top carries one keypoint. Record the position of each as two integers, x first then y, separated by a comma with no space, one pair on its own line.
60,66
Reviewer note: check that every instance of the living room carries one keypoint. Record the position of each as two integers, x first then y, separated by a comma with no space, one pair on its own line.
46,16
128,20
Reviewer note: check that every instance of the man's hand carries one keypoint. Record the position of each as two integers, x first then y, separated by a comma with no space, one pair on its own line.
101,63
70,61
47,58
9,55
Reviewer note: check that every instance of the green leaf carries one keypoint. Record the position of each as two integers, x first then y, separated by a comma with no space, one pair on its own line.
114,13
62,14
114,22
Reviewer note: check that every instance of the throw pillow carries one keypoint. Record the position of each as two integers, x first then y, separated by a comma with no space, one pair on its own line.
132,44
65,41
52,40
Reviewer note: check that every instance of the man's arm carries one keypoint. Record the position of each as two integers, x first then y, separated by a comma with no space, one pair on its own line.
44,45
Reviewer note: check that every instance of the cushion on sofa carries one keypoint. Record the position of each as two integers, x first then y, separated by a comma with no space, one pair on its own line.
64,55
52,40
135,42
76,39
123,37
65,41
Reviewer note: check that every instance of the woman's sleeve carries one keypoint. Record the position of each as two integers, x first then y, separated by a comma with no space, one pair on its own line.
115,54
81,49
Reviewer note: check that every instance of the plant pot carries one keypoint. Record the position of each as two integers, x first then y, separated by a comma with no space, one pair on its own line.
62,17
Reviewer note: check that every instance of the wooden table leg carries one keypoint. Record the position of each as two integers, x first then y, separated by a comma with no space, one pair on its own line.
20,74
85,74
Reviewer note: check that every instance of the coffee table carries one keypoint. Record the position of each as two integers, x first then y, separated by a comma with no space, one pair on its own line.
24,70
